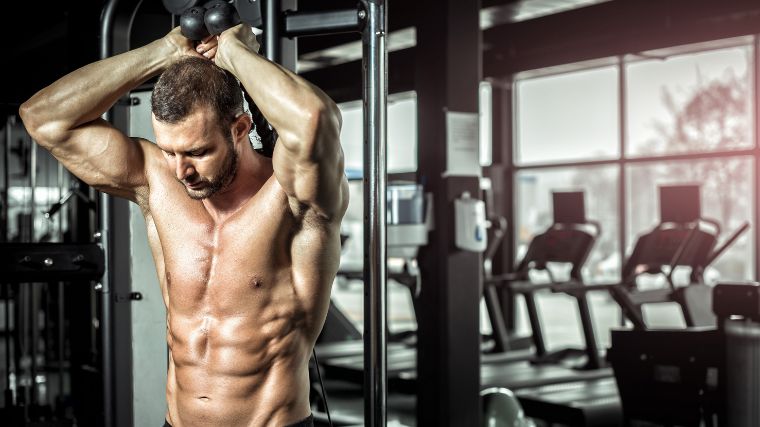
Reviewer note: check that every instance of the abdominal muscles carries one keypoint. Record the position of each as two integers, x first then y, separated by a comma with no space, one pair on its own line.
243,363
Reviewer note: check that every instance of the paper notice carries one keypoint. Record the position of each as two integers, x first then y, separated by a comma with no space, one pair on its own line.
462,156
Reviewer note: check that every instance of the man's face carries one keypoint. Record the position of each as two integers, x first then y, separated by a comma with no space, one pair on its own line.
199,153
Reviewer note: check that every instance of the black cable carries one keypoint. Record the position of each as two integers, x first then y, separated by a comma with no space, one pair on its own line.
322,385
266,133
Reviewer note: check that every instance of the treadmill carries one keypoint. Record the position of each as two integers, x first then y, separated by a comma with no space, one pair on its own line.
682,239
569,240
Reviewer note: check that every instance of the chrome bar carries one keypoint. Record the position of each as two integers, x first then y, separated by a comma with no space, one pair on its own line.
375,92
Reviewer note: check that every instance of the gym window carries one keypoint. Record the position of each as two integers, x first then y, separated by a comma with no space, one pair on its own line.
626,125
617,128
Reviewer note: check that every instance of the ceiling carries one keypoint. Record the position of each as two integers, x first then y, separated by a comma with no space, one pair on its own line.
493,13
64,35
517,35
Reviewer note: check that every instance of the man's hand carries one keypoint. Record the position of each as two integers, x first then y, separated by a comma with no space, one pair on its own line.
237,36
207,47
182,46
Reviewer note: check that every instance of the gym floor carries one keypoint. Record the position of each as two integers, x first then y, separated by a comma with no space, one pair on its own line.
558,314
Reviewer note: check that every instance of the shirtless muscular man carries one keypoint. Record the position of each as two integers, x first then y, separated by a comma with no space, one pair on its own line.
246,247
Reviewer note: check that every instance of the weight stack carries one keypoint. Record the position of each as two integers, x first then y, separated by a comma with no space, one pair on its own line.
743,373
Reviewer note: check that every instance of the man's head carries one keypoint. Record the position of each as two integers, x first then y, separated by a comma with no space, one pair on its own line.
199,124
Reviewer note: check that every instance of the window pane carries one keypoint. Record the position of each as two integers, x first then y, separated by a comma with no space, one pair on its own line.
567,117
689,103
727,196
348,294
402,134
534,211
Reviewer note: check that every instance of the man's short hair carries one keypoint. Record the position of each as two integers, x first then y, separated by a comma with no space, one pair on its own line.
196,82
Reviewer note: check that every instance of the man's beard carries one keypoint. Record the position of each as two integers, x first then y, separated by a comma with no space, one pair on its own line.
219,182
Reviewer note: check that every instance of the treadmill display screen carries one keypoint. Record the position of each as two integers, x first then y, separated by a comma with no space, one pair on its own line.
679,203
569,207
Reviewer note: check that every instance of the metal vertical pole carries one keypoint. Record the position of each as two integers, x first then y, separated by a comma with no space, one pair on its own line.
755,67
622,167
272,34
33,187
8,401
6,177
375,93
30,302
106,30
60,295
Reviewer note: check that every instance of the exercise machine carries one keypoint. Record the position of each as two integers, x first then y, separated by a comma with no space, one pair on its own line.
698,376
682,239
568,240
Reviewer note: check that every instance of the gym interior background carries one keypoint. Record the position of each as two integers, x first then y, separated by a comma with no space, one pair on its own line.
616,153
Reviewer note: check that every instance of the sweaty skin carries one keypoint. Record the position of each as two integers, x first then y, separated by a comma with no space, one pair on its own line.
245,272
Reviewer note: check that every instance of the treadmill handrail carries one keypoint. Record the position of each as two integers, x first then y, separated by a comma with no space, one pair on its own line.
730,241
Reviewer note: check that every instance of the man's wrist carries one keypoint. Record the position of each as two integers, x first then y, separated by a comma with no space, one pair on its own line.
162,54
234,52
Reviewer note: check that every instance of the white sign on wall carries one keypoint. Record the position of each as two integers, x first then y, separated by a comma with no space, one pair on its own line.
462,144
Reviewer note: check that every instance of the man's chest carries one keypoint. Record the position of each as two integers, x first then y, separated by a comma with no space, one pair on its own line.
226,265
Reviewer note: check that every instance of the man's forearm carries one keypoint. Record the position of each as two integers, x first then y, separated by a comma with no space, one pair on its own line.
85,94
292,105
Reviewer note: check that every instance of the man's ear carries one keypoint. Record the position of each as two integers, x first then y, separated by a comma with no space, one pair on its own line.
241,127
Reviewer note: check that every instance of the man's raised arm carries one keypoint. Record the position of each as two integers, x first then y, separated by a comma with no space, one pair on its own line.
308,159
65,116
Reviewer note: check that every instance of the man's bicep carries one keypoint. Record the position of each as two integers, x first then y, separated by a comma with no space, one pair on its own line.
104,158
317,182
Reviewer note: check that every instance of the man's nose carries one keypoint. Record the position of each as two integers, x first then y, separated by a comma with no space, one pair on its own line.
184,168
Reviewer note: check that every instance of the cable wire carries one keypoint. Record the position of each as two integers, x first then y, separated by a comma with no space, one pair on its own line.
322,385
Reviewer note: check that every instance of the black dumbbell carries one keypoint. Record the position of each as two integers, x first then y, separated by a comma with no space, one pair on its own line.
220,16
192,25
197,23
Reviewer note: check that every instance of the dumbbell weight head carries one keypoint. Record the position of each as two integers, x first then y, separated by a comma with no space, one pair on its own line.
192,24
220,16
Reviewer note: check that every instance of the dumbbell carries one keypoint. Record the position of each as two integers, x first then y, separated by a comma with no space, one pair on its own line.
199,22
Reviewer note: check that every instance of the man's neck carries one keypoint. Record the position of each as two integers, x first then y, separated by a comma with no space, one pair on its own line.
252,173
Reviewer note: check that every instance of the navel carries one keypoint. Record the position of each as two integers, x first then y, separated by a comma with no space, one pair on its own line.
256,282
